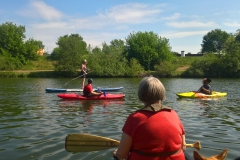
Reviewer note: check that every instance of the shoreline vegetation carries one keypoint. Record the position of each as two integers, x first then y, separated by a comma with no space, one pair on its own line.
140,54
62,74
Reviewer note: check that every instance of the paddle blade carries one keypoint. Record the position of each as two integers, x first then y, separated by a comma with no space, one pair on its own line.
196,145
86,143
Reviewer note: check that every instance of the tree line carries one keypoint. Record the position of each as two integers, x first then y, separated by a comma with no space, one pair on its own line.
221,56
138,54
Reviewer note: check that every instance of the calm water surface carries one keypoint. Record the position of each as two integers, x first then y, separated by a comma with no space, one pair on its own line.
34,124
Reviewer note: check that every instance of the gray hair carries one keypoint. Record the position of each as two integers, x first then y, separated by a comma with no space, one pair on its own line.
151,90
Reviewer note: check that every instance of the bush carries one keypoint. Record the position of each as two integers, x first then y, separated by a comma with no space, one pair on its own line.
165,69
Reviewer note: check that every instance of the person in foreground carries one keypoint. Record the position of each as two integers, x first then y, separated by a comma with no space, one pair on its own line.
88,91
206,87
154,131
84,71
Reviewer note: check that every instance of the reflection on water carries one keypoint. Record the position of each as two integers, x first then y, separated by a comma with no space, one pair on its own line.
87,105
34,124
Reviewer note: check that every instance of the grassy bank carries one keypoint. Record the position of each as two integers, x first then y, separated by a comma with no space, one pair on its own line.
44,69
33,74
58,74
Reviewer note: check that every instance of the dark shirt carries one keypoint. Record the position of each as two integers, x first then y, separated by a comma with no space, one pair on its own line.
208,87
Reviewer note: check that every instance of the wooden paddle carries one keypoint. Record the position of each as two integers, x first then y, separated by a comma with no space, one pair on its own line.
86,143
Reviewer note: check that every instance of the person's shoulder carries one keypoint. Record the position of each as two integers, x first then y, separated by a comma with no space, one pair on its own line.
173,112
140,114
134,119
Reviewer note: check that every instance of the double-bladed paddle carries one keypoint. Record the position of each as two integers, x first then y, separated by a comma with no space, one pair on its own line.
76,78
86,143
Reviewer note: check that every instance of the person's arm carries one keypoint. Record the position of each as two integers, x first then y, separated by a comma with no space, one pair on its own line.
96,93
206,90
124,147
183,143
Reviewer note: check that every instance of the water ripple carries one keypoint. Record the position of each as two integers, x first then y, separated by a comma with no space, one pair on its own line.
34,124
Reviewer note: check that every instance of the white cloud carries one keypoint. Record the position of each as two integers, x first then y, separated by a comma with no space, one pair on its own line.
117,17
46,12
182,34
90,23
232,24
51,25
174,16
226,12
39,9
191,24
132,13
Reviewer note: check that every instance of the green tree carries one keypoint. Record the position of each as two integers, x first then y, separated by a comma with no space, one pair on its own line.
89,48
12,38
107,65
206,66
96,50
55,55
16,51
165,69
231,60
148,48
70,53
134,68
106,48
237,35
174,53
214,41
116,46
31,47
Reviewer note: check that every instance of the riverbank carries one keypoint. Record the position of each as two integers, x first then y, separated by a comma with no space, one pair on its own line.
30,73
54,74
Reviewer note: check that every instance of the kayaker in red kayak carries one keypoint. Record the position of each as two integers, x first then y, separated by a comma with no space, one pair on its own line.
153,132
88,90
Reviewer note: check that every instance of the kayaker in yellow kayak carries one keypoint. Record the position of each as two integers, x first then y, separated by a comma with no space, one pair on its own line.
206,87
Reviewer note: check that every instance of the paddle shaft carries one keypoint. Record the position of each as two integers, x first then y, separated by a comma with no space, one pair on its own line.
76,78
88,143
198,90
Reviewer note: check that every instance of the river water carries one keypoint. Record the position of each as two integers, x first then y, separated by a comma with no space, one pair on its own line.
34,124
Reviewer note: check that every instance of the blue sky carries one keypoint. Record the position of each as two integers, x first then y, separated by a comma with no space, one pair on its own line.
183,22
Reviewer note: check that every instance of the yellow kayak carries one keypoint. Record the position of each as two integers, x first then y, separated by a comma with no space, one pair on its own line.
201,95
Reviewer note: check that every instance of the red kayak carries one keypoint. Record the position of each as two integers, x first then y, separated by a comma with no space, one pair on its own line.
75,96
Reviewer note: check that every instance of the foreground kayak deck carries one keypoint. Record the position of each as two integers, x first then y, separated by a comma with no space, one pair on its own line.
80,90
75,96
201,95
